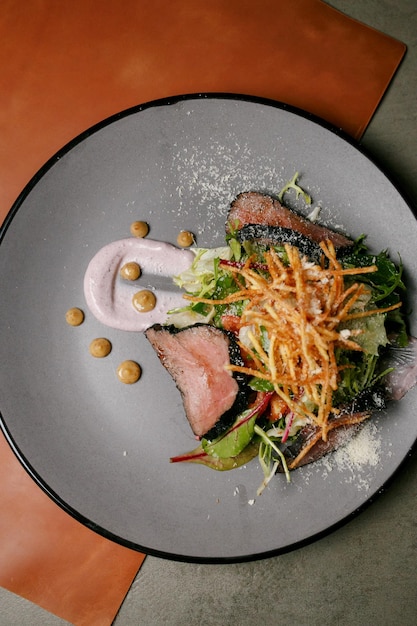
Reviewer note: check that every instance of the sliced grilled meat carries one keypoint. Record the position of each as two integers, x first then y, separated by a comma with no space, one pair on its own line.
312,447
309,445
251,207
196,357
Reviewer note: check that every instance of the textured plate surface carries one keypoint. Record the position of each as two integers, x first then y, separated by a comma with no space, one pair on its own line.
101,449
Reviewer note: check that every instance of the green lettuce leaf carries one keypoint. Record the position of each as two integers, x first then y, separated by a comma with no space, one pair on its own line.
234,440
198,455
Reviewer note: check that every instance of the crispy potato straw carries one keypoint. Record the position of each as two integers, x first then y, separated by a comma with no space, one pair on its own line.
294,314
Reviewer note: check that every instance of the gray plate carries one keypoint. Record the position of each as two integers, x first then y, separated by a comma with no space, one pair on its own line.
101,449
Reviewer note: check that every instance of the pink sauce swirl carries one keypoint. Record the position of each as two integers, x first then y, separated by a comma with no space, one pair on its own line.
109,297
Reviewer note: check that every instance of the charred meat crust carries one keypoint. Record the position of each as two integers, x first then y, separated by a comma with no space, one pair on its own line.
172,362
242,398
278,235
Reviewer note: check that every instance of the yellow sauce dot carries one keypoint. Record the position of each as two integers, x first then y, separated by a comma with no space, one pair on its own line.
139,229
129,372
74,316
185,239
130,271
144,301
100,347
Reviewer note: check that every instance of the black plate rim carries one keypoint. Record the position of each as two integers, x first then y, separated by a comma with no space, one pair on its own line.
163,102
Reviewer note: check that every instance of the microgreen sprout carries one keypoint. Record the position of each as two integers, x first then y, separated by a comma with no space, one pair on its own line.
263,450
292,184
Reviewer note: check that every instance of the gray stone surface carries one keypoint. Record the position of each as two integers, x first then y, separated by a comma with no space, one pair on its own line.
365,572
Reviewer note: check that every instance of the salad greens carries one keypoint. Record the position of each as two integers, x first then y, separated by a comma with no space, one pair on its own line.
271,424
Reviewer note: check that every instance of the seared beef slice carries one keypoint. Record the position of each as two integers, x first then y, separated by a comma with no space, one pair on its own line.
258,209
196,357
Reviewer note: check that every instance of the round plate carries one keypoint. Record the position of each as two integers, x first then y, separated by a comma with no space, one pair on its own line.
101,449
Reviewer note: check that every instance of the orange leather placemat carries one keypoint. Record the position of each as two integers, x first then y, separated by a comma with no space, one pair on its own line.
66,66
49,558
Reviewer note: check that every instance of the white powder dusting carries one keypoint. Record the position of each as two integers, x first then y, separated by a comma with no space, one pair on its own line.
362,450
205,176
357,458
212,175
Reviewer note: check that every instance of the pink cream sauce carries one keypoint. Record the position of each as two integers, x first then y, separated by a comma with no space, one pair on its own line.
109,297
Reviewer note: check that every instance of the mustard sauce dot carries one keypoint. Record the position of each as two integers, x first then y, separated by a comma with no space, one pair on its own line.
129,372
139,229
74,316
185,239
144,301
100,347
130,271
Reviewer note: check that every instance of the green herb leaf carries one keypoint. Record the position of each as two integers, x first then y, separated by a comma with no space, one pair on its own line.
234,440
292,184
260,384
266,452
198,455
236,248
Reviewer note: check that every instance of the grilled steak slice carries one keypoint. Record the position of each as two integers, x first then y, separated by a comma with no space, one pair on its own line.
252,207
309,445
196,357
312,447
